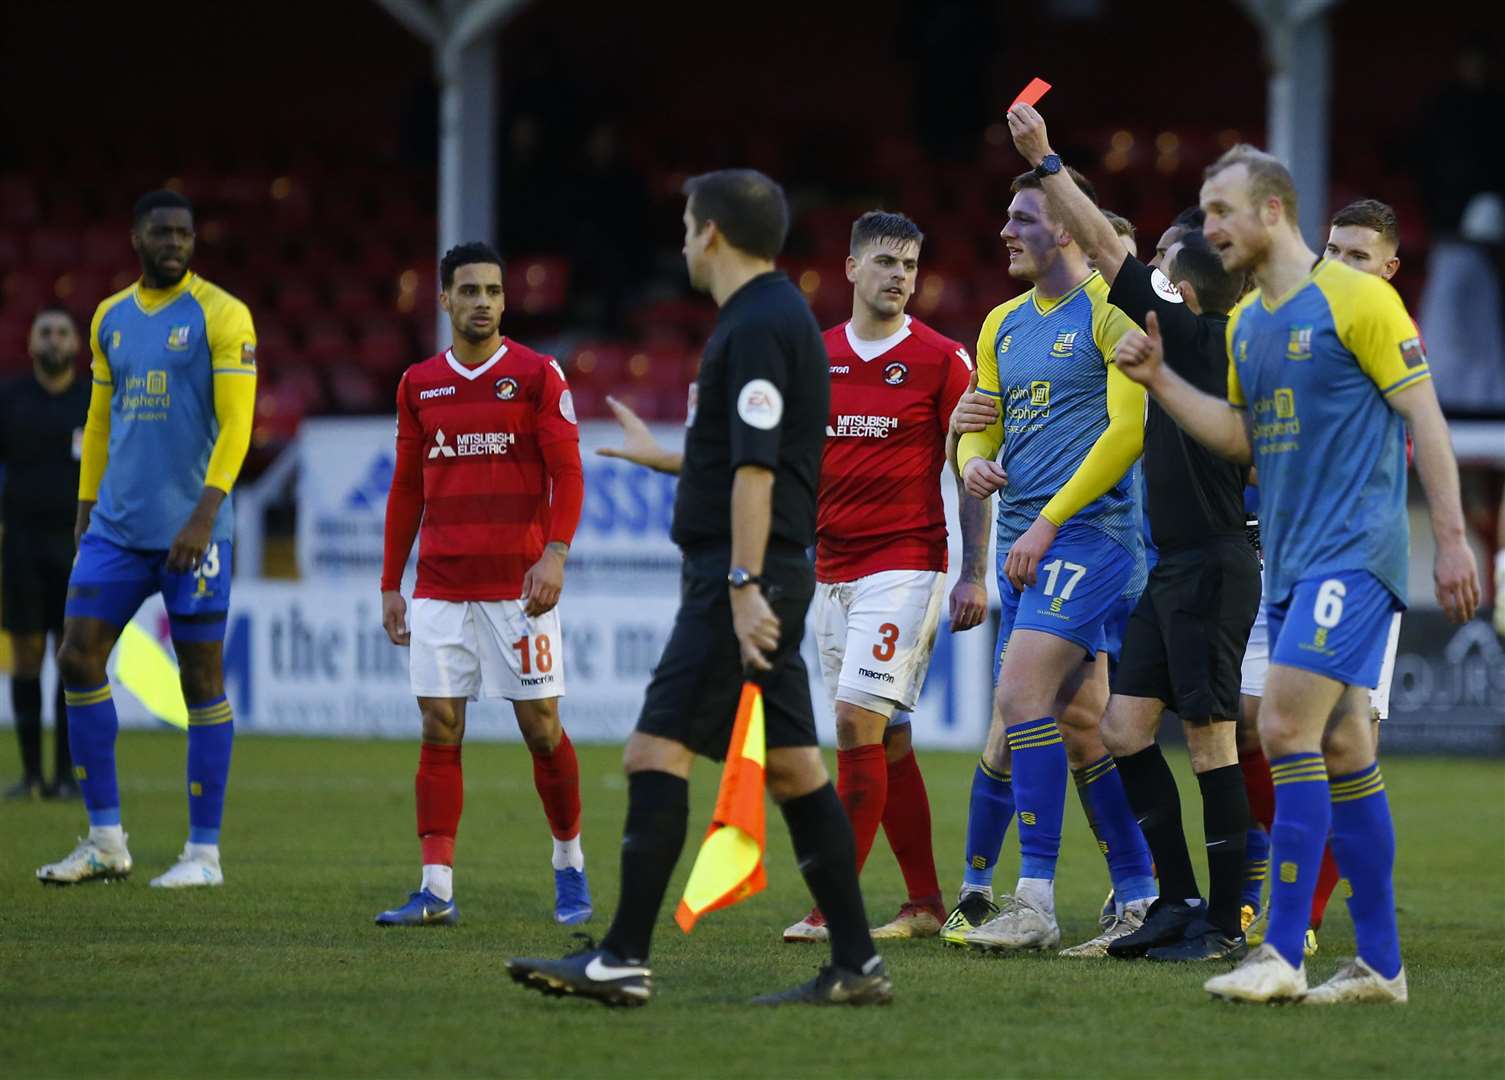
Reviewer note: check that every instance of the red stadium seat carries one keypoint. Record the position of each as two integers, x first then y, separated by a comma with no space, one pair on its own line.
538,285
355,391
327,345
56,249
599,363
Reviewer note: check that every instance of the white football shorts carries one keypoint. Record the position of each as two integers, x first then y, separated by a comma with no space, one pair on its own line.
875,636
484,648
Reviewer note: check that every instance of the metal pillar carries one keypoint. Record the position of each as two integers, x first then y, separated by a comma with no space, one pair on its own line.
461,33
1298,50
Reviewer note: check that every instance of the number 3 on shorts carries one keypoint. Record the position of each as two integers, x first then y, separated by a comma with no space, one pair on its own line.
1329,606
884,650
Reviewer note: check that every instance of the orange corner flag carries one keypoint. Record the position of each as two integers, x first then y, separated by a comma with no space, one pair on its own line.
729,867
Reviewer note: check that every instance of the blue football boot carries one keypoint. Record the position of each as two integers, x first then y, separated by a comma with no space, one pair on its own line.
572,897
422,909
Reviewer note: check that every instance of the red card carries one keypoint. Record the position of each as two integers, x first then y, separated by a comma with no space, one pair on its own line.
1032,93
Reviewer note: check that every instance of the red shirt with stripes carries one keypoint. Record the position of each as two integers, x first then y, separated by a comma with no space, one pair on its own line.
880,496
490,456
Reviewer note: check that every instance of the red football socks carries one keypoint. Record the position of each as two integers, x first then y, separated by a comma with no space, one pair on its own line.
906,821
440,791
1327,880
1260,787
556,775
862,784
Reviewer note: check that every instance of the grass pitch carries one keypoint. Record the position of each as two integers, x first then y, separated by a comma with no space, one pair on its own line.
282,973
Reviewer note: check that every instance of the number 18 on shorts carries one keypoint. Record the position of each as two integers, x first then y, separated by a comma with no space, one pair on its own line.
484,648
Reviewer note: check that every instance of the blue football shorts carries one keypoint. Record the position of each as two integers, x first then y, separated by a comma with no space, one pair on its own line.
1335,625
1078,587
110,582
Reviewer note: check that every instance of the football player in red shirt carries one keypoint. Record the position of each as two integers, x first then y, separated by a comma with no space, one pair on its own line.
881,554
488,458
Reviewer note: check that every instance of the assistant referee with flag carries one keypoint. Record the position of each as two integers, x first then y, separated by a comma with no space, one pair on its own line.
744,517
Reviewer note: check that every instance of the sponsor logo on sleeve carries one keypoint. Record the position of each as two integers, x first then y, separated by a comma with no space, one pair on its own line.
1163,287
760,405
1413,352
691,402
567,406
248,354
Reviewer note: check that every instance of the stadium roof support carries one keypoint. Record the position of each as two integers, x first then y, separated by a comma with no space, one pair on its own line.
1298,50
465,63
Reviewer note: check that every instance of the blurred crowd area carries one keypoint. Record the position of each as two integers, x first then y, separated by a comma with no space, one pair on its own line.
306,136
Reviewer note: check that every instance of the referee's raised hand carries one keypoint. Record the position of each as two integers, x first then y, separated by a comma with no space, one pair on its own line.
756,627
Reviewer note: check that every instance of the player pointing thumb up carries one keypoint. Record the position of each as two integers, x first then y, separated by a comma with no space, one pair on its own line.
1141,356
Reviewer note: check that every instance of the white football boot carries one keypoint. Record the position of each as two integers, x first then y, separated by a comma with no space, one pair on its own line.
1263,976
1019,926
1357,981
89,861
1113,926
198,865
810,930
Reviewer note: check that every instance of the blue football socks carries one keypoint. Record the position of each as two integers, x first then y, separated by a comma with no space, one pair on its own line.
92,727
1303,812
989,812
1039,763
1128,855
1364,845
211,733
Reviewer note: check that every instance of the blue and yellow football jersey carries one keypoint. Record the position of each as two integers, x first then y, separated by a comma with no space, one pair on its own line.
170,360
1314,371
1048,363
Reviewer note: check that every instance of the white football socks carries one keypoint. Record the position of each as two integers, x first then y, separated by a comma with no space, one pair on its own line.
1040,892
568,855
108,837
439,880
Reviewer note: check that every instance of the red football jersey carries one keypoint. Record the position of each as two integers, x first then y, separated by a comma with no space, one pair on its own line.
880,497
480,435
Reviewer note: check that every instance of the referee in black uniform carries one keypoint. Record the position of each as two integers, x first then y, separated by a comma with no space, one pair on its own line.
744,517
1185,642
41,434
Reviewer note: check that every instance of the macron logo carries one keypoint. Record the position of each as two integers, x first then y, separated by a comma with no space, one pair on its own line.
438,391
439,449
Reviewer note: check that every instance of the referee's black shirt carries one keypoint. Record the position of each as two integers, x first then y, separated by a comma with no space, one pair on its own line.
41,438
761,399
1192,495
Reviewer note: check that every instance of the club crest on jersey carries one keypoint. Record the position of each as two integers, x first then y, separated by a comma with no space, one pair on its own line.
1413,353
1065,343
506,388
896,373
1299,347
177,337
115,340
1243,352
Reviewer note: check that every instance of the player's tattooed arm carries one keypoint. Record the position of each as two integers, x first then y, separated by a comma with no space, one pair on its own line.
1068,203
638,444
1454,572
969,596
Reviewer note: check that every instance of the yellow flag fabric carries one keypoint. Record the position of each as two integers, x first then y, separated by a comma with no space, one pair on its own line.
729,867
147,671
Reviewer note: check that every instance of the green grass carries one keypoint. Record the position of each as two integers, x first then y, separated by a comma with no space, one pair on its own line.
282,973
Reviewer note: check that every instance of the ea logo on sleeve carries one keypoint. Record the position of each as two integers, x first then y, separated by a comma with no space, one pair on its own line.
895,374
760,405
506,388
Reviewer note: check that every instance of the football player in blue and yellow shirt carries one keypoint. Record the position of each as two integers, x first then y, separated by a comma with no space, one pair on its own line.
170,412
1325,373
1064,431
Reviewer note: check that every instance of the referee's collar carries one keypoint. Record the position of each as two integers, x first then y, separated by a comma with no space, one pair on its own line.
752,284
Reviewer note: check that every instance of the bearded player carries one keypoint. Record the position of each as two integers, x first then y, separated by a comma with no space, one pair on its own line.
880,556
488,458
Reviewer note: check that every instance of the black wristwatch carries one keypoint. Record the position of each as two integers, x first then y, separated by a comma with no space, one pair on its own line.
741,577
1049,166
